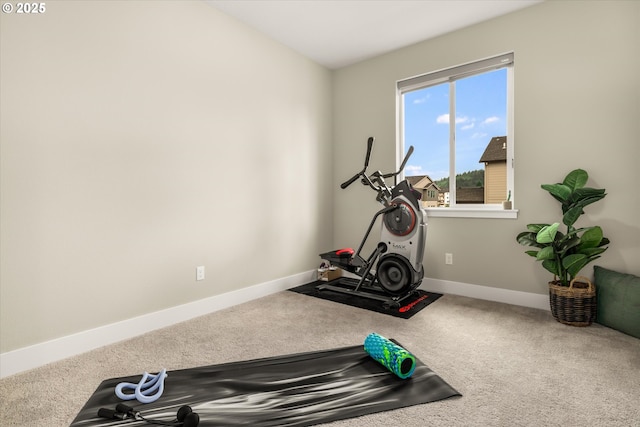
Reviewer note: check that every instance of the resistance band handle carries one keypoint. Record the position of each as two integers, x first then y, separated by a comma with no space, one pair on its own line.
111,414
390,355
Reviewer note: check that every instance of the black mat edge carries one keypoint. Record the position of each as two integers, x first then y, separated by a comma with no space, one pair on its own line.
408,308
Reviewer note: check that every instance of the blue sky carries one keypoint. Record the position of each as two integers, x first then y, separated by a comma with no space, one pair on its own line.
481,102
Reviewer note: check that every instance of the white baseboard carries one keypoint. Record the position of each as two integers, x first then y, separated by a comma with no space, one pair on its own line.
26,358
507,296
37,355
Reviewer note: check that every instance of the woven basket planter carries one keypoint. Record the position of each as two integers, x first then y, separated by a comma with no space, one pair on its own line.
575,304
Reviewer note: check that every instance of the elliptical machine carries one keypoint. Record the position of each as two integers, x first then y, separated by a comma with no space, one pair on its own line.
398,256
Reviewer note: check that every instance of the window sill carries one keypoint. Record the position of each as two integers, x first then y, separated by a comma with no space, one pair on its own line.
472,213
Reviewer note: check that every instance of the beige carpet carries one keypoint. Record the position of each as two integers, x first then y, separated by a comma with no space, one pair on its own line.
514,366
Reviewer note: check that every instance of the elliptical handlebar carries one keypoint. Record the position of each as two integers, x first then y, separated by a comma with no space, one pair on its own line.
377,176
402,165
366,164
350,181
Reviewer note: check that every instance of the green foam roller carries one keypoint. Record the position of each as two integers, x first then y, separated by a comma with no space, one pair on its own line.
390,355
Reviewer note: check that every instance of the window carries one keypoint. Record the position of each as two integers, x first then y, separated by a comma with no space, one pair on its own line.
459,121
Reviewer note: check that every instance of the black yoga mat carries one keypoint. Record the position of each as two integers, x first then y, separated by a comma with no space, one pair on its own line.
408,307
294,390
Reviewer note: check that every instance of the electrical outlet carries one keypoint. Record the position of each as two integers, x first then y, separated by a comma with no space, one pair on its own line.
448,258
200,273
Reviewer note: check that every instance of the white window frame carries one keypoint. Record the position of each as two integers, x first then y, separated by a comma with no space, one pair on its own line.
450,75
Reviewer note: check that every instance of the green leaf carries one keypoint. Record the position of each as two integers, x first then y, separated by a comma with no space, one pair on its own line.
591,238
545,253
532,253
528,238
604,242
574,263
536,227
566,244
576,179
584,192
547,234
552,266
571,216
586,196
559,191
591,252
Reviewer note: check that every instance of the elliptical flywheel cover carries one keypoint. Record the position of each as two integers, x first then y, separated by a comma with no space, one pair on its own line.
400,221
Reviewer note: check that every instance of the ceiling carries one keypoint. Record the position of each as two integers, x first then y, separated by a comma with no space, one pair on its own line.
337,33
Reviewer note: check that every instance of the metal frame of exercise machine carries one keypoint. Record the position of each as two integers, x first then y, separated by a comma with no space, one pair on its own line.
395,265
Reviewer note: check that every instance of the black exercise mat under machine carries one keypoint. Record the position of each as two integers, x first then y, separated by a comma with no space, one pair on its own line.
395,265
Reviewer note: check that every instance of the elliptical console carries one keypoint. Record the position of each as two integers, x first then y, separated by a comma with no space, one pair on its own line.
398,255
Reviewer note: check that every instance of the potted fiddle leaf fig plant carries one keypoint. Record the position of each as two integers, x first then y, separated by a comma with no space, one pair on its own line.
564,252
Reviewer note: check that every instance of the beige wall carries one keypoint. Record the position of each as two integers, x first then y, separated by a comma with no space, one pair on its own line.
576,105
140,140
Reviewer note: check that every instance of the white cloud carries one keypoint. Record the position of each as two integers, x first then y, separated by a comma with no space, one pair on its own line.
469,126
491,119
412,170
444,119
421,100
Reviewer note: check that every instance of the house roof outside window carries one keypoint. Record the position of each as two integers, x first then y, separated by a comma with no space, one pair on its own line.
496,151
